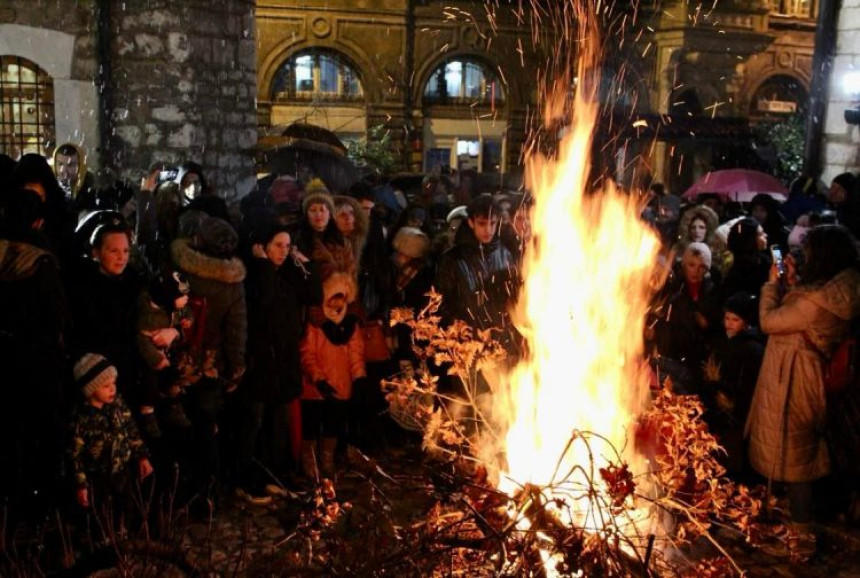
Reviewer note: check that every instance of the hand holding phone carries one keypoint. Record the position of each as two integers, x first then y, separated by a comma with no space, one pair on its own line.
776,255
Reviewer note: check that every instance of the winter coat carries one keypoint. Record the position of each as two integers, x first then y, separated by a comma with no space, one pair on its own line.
104,309
334,353
103,441
274,332
678,335
787,415
478,282
747,274
326,251
739,361
34,318
220,282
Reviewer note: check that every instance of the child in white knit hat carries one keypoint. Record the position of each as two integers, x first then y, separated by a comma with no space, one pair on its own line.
106,452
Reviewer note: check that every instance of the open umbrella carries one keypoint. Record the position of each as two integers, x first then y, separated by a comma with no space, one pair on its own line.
290,150
739,185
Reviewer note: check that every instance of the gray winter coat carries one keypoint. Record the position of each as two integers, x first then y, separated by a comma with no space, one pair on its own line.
787,416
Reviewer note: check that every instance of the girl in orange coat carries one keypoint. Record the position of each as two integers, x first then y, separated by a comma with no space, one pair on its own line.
332,362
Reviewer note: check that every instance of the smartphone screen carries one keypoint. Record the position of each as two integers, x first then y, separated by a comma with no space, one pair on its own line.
776,253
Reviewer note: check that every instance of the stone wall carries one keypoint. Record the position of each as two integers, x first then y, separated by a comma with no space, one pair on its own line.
184,88
183,81
842,141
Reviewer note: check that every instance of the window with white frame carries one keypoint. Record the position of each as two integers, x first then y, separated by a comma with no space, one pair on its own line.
316,75
463,81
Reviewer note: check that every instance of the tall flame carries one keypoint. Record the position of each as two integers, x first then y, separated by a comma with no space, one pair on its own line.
582,310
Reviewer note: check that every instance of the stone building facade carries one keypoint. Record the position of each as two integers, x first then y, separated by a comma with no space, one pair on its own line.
138,83
395,50
200,79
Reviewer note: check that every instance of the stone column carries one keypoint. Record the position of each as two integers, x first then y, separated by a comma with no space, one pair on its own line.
184,89
842,141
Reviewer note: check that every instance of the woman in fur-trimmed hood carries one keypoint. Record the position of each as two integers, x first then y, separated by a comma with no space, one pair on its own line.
698,224
216,274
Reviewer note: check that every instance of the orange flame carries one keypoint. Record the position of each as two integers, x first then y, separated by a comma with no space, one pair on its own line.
588,274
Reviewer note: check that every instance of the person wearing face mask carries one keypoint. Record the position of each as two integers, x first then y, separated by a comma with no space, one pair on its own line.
730,375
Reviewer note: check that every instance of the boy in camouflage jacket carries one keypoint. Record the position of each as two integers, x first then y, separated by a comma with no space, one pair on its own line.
106,450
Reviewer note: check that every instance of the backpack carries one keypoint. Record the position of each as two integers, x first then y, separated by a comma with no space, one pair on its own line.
841,368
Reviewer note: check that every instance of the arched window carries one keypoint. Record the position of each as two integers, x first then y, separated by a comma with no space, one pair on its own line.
26,107
463,82
316,75
779,95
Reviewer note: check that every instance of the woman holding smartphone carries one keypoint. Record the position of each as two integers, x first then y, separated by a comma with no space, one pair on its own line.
805,314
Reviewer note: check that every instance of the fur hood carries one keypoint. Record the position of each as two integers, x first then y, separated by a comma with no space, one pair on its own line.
708,215
194,262
337,283
358,238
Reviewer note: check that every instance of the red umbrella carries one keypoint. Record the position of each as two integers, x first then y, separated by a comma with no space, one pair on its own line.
739,185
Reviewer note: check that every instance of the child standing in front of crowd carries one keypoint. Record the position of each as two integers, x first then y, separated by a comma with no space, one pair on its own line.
730,375
332,353
163,318
107,454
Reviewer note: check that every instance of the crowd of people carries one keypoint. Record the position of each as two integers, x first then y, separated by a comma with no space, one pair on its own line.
158,335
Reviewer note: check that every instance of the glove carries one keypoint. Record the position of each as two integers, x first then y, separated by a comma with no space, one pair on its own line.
325,389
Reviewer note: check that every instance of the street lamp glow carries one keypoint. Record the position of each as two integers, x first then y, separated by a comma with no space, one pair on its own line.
851,82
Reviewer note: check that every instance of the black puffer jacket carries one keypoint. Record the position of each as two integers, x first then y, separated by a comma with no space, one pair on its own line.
274,331
478,282
220,282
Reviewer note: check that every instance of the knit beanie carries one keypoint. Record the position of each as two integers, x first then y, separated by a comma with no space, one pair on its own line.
699,250
411,242
91,372
216,238
457,213
319,195
744,305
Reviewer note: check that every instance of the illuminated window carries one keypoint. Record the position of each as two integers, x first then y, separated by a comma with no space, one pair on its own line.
316,75
26,107
798,8
463,81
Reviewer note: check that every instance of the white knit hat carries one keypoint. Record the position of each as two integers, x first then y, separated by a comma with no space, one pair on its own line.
411,242
92,371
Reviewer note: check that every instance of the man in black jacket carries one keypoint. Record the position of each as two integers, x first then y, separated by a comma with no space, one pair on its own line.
478,277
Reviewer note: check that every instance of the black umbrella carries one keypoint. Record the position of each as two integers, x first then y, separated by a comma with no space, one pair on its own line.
299,147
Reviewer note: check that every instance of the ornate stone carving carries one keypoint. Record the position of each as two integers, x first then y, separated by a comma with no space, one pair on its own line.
321,27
